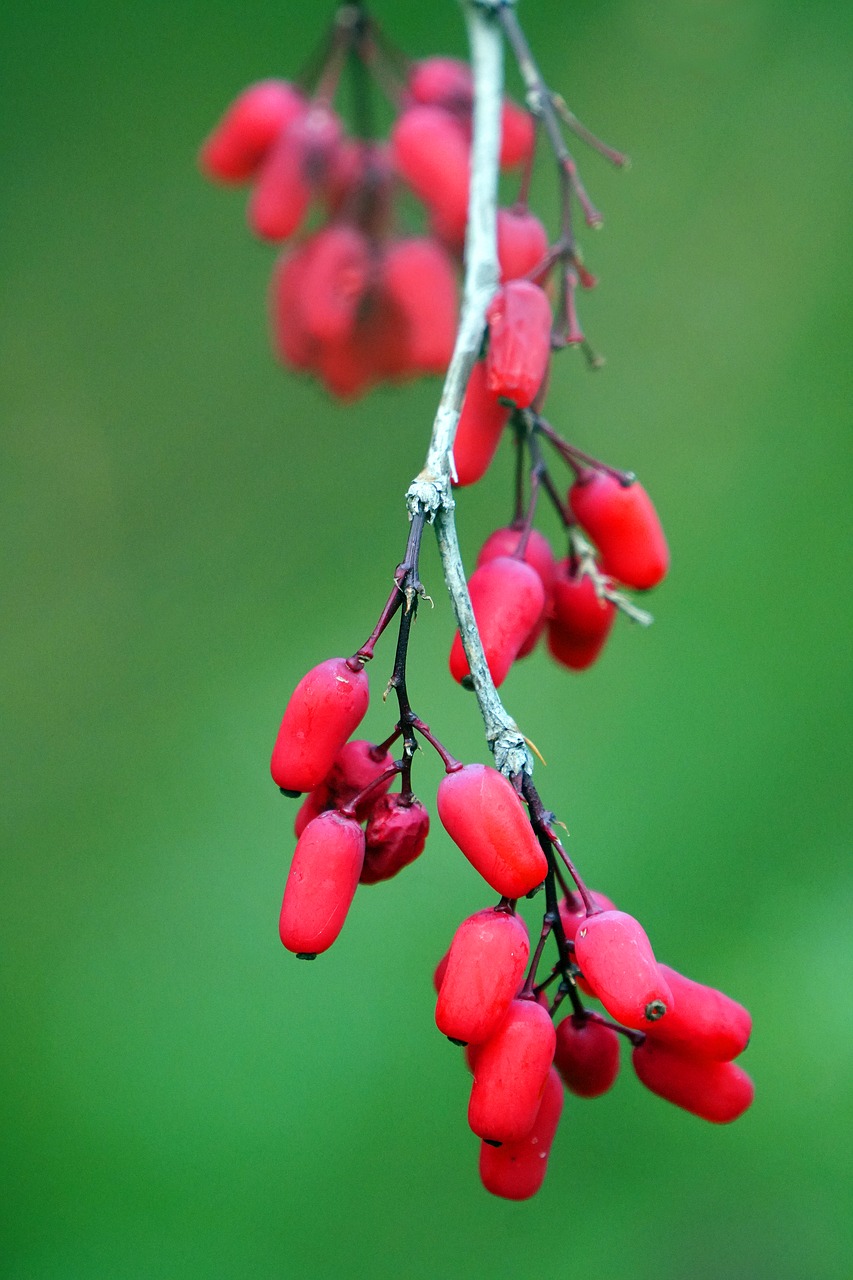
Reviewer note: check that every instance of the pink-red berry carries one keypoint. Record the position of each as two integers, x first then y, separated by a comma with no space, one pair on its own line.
519,319
516,1170
482,812
715,1091
508,600
321,883
624,525
485,966
510,1071
617,961
703,1021
326,706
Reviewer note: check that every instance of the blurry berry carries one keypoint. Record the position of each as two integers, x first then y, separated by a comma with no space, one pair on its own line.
251,125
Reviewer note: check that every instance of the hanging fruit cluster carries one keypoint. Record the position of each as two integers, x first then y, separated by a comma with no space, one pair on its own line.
358,298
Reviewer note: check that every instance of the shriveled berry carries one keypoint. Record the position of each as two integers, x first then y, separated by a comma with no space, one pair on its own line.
508,600
479,430
486,963
617,961
516,1170
396,834
587,1056
481,811
519,319
624,525
704,1021
321,883
326,706
579,621
257,117
510,1072
715,1091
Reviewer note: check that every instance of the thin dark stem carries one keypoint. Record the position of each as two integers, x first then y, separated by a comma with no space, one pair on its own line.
405,578
576,458
349,810
541,821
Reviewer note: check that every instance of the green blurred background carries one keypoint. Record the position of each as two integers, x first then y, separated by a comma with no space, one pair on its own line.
186,529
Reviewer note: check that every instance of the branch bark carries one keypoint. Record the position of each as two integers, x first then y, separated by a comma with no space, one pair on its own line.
430,492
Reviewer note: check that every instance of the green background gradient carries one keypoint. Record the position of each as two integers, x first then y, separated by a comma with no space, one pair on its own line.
186,529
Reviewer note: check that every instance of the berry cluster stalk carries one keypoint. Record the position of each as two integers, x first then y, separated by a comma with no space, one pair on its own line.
429,493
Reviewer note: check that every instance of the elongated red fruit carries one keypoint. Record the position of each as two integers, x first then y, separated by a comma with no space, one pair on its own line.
519,318
516,1170
624,525
587,1056
326,706
481,811
579,622
715,1091
508,600
485,966
704,1021
617,961
573,914
510,1070
431,153
418,278
522,242
321,883
479,430
396,834
257,117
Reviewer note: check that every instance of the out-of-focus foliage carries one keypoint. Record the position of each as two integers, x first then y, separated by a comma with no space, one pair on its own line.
185,530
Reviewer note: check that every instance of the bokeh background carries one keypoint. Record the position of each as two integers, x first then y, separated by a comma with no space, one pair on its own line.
186,529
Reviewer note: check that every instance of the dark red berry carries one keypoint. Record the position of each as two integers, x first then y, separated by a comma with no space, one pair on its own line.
579,621
396,834
587,1056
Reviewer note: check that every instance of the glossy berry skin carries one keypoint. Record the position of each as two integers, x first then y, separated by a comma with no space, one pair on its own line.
579,622
587,1056
479,430
572,916
519,319
481,811
326,706
617,961
704,1021
516,1170
321,883
395,836
522,242
508,600
715,1091
510,1071
624,525
236,148
485,967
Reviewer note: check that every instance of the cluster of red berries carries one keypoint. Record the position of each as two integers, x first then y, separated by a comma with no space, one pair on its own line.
352,830
355,301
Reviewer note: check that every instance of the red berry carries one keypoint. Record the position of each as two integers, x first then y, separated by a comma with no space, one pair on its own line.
479,430
440,971
518,135
537,552
442,82
357,764
617,961
704,1021
624,525
573,912
336,276
321,883
254,121
299,161
716,1091
519,319
508,600
291,341
579,622
587,1056
418,277
396,834
516,1170
432,155
510,1071
522,242
481,811
326,706
485,965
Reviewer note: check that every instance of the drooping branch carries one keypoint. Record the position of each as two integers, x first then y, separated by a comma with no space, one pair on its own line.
430,492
